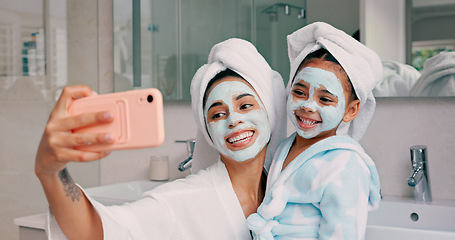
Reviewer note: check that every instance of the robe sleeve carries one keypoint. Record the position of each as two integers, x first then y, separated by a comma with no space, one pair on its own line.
344,203
146,218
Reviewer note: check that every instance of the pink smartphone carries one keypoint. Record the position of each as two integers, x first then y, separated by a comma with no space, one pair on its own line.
138,118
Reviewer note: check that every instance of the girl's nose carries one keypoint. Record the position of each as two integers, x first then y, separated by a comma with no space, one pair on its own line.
308,107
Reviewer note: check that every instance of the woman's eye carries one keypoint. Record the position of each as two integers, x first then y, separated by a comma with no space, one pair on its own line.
217,115
245,106
299,92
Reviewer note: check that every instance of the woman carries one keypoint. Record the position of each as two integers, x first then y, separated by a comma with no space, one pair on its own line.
214,203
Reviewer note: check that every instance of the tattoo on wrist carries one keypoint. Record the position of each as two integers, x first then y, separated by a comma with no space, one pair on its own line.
69,186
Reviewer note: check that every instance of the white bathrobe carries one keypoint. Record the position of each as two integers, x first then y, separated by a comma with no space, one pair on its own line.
324,193
201,206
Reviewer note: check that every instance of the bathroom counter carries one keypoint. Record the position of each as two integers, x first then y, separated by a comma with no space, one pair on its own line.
32,227
37,221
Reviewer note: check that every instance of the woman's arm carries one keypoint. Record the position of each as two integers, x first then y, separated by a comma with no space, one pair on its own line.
75,215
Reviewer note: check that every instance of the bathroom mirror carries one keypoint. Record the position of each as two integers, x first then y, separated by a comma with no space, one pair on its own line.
430,29
22,38
432,48
172,38
33,49
415,40
161,43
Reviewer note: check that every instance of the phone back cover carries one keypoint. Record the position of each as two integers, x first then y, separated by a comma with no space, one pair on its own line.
137,122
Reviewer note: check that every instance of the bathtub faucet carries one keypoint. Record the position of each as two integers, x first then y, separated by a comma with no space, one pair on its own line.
419,179
186,164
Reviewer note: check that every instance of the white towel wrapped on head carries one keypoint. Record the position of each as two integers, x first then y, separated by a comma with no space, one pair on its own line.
438,77
243,58
361,64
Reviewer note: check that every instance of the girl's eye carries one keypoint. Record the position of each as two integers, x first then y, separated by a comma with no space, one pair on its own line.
326,100
245,106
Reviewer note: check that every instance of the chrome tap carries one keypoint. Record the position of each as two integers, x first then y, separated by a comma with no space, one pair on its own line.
186,164
419,179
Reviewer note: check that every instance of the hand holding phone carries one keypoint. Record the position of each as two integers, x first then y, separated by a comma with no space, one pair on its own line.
138,118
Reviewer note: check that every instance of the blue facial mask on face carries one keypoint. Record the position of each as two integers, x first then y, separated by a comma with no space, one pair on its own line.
331,115
256,119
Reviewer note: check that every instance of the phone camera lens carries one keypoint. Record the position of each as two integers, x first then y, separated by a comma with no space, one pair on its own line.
149,98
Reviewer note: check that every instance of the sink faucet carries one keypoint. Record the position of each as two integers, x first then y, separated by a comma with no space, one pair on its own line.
419,179
186,164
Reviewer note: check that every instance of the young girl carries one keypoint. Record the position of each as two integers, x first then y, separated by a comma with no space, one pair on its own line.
321,183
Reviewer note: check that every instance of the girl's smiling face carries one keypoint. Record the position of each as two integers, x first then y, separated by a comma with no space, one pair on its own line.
317,102
236,119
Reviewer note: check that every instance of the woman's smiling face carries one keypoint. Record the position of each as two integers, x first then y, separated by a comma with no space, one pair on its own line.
236,119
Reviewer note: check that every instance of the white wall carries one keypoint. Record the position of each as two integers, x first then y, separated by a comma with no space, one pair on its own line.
399,123
383,28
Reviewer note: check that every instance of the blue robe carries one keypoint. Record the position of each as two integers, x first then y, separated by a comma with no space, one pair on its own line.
324,193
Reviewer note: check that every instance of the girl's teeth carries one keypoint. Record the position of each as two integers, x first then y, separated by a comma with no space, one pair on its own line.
307,122
240,137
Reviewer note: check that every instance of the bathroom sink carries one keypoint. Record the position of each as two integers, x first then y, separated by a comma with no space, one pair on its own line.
122,192
402,218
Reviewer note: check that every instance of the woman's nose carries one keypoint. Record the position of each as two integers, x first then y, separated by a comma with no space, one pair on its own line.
234,119
234,123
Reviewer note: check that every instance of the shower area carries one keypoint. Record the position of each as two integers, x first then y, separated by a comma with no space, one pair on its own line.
161,43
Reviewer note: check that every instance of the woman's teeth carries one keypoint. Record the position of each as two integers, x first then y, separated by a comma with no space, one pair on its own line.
240,137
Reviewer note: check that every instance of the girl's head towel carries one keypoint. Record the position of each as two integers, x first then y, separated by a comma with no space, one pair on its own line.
362,65
243,58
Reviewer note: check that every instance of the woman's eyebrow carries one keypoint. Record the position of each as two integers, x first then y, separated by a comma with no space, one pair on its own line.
243,95
301,85
215,104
